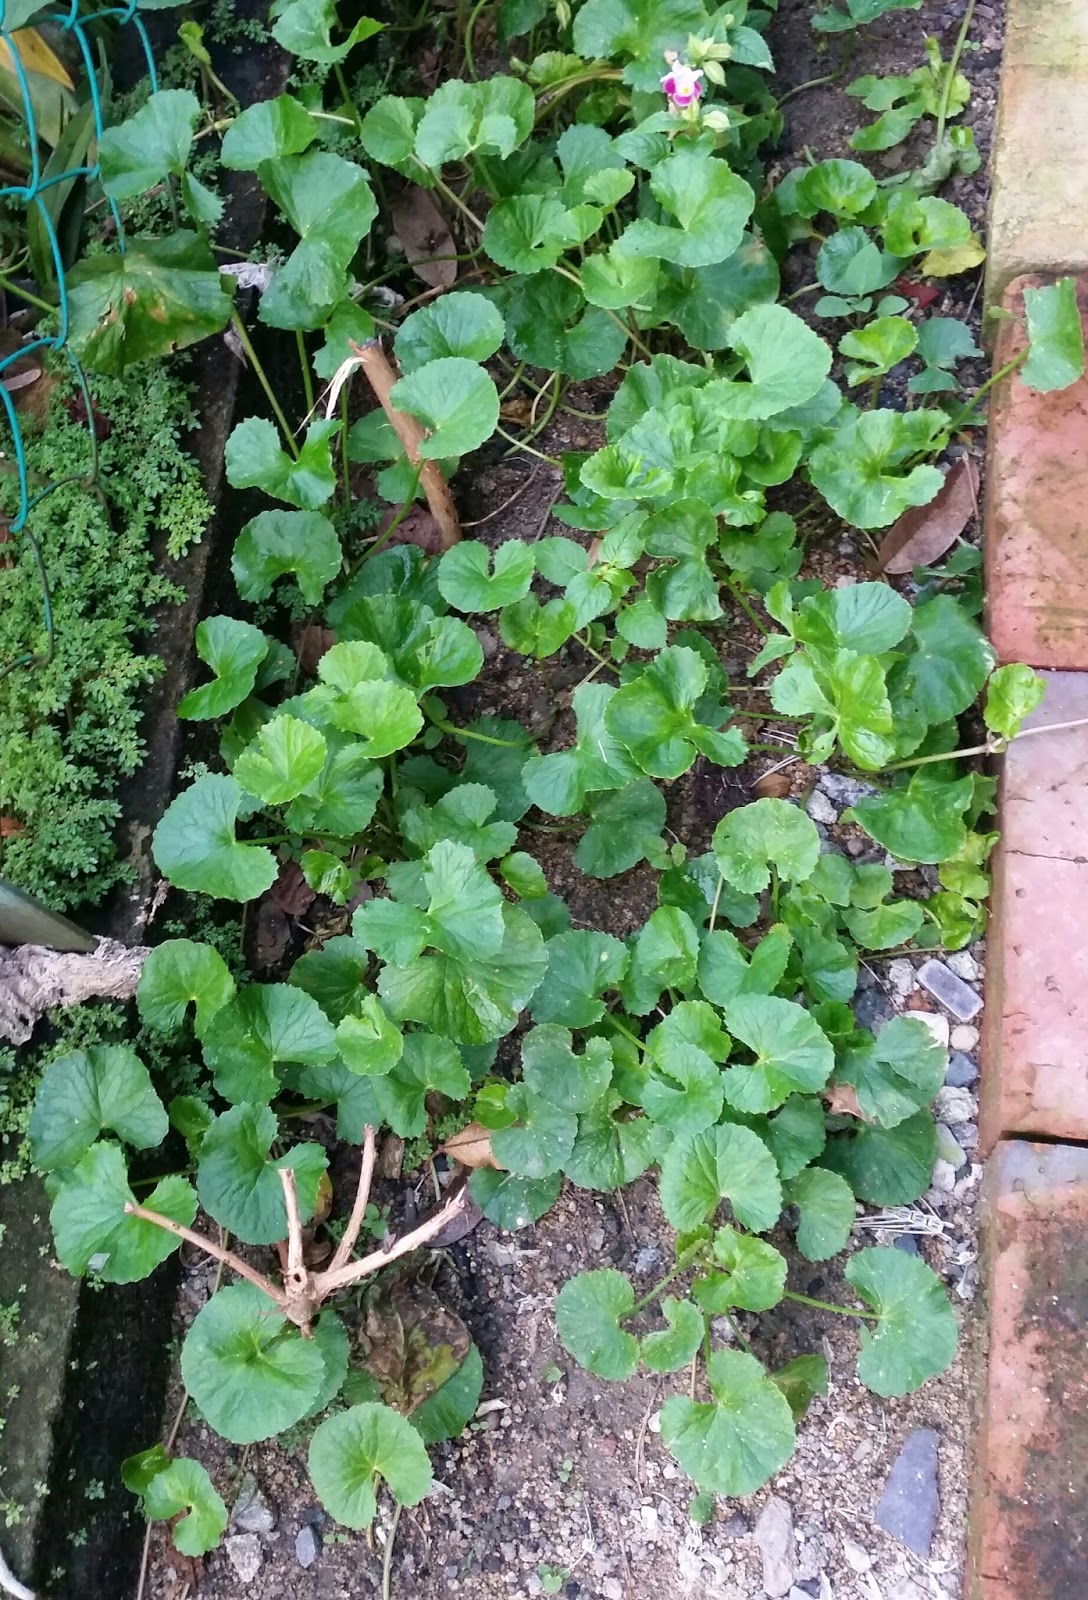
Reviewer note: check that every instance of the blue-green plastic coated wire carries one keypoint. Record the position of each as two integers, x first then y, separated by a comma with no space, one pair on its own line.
30,194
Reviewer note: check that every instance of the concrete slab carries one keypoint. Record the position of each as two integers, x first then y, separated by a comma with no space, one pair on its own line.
1040,183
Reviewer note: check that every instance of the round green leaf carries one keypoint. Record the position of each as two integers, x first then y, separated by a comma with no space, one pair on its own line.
529,232
709,203
886,1166
793,1054
303,543
239,1185
329,203
826,1205
234,650
184,1486
267,131
368,1042
683,1090
725,1162
549,325
351,1451
786,361
582,965
160,295
447,1413
249,1370
587,1316
858,470
195,848
472,579
752,1275
1055,337
626,823
950,662
552,1069
923,821
896,1073
177,973
150,145
256,459
285,758
458,324
739,1440
767,831
456,401
671,1349
266,1024
1011,694
105,1088
510,1201
541,1138
915,1337
92,1230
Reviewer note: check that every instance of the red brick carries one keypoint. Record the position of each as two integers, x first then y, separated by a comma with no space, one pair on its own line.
1036,517
1035,1028
1028,1535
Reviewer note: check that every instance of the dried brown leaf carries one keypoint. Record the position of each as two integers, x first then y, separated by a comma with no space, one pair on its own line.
424,233
925,533
471,1147
772,786
311,644
291,892
273,934
842,1100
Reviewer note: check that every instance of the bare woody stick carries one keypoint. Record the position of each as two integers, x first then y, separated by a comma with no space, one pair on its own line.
362,1195
210,1248
382,375
325,1283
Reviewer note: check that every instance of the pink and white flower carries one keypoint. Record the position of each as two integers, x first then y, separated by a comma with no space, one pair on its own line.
681,83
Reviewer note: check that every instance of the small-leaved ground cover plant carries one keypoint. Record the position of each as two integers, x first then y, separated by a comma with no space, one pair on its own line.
612,198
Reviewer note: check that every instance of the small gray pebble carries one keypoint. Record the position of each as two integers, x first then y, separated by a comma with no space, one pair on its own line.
821,808
306,1548
955,995
962,1071
909,1505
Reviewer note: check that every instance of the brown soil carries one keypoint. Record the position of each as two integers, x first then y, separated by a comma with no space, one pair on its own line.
563,1479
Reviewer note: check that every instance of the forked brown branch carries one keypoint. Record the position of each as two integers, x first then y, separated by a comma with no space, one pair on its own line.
304,1292
328,1282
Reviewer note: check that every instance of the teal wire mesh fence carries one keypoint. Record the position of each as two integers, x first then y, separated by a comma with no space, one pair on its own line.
47,179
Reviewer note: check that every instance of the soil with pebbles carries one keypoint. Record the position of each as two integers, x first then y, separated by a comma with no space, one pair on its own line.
561,1484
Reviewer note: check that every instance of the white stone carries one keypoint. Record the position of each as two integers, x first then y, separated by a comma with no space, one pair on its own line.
963,964
954,1105
944,1177
244,1554
820,808
857,1559
900,975
964,1037
773,1532
306,1551
936,1023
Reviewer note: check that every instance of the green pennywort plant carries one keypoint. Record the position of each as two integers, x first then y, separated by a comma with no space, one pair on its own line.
716,1044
